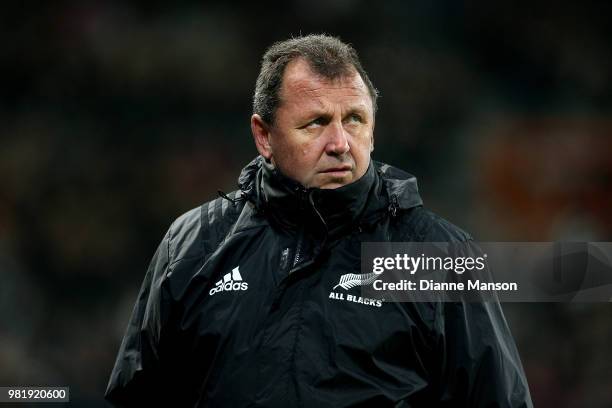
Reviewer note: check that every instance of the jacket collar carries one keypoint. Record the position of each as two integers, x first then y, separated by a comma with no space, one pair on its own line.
291,204
382,190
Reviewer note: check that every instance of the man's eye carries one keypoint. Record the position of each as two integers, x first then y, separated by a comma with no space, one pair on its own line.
355,118
316,122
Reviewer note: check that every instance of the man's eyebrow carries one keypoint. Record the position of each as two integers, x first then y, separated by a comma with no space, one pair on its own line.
360,107
315,113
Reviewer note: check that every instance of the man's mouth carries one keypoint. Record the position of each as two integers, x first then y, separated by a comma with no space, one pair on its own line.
339,169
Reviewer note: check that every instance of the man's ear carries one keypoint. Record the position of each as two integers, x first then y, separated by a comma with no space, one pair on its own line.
261,135
372,143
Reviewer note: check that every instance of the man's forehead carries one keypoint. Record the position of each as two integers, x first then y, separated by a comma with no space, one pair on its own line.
300,79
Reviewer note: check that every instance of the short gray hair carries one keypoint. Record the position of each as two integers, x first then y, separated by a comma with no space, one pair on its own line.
328,56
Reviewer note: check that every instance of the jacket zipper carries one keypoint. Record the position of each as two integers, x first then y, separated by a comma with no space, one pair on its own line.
307,196
303,196
298,248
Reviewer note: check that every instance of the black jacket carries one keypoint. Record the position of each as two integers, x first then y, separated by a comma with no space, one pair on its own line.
235,309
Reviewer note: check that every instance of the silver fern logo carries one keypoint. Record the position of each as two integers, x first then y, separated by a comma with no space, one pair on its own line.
351,280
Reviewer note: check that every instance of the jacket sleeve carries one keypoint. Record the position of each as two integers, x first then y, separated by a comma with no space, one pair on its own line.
481,365
138,375
478,359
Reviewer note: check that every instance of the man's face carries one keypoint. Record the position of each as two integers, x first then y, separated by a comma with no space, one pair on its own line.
322,135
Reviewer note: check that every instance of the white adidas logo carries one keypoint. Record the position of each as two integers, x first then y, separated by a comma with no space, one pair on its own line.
230,281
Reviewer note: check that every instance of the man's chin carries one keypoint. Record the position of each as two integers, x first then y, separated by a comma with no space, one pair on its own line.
332,186
330,182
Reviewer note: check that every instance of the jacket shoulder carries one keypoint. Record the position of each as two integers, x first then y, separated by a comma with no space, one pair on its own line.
421,225
198,231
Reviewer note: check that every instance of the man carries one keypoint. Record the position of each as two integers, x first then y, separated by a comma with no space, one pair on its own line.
235,309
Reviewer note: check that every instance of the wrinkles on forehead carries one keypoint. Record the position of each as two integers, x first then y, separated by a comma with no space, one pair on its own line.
307,88
303,86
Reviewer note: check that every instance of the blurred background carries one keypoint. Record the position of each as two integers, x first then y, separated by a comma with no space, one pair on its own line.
115,119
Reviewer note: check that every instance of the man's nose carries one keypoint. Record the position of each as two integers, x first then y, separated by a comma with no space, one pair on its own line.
337,142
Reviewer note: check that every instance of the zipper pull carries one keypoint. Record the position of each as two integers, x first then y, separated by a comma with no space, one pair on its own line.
393,206
302,195
284,262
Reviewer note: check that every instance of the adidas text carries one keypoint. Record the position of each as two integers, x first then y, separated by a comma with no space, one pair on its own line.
231,282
